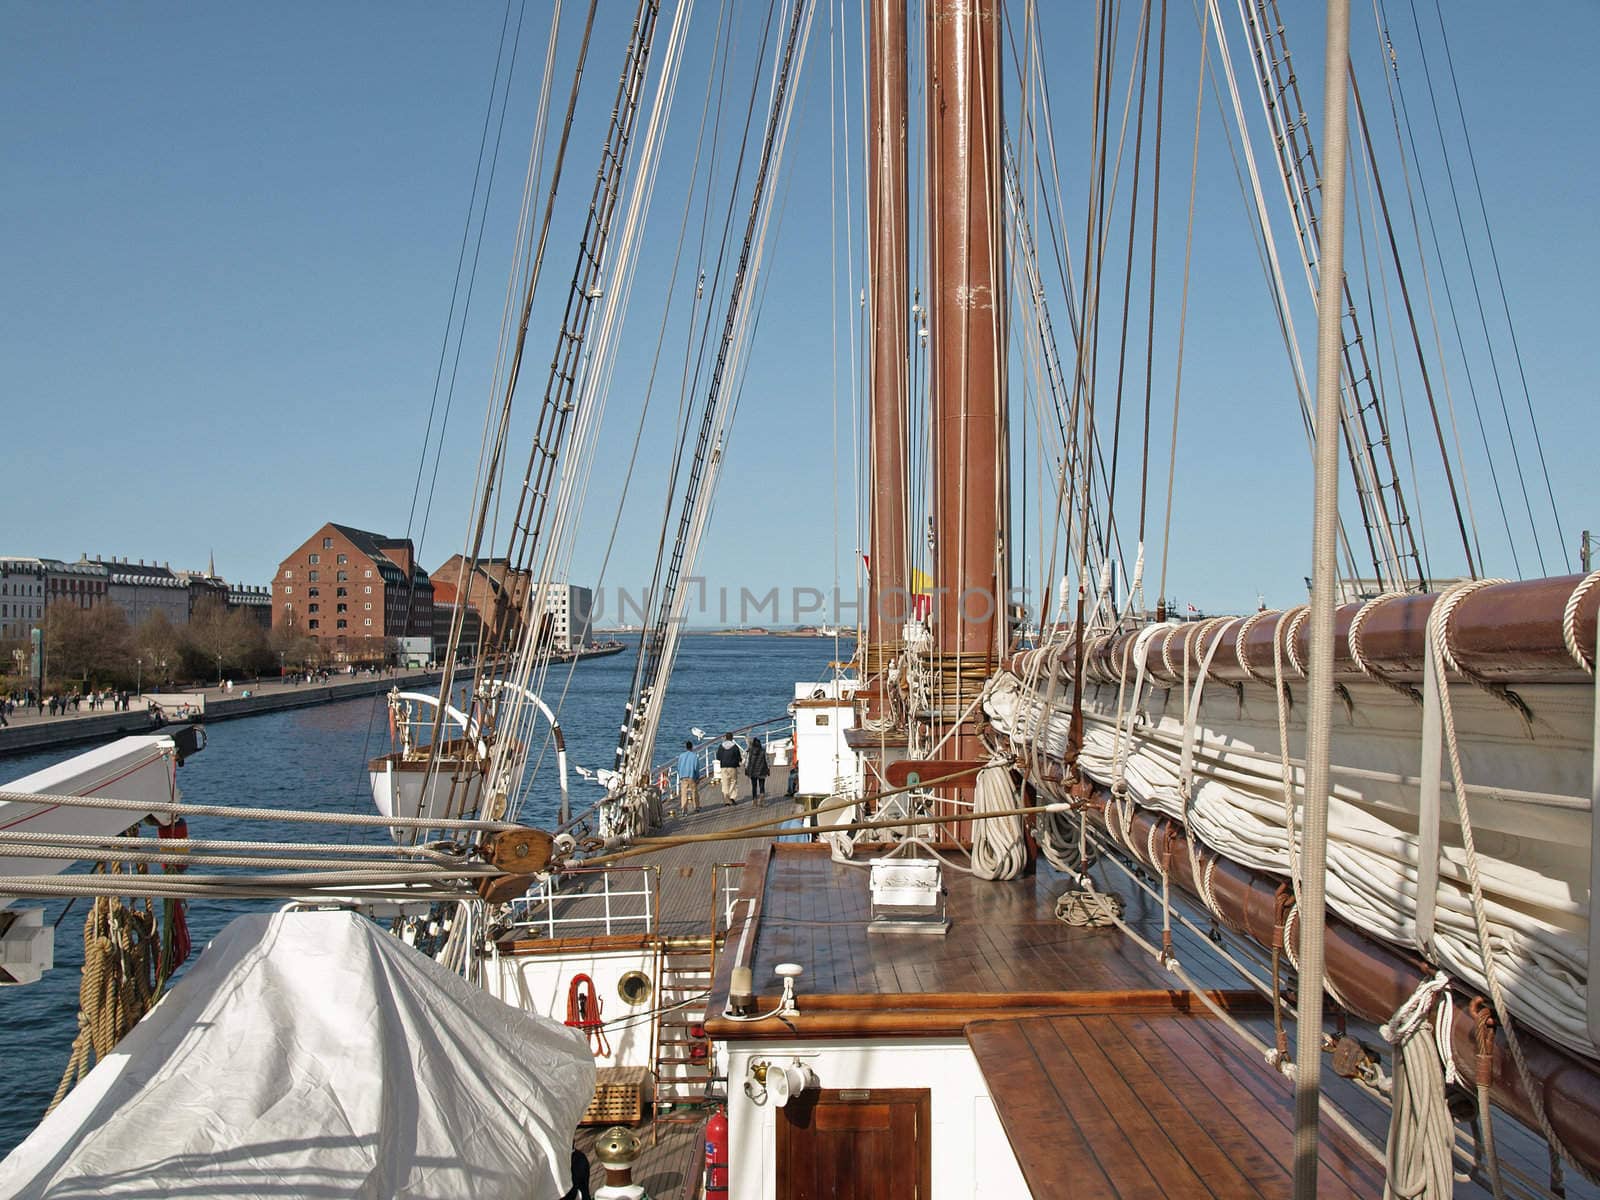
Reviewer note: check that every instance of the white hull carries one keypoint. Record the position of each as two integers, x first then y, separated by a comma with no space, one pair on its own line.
142,768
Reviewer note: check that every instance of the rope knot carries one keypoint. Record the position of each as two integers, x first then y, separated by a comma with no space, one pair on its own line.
1413,1015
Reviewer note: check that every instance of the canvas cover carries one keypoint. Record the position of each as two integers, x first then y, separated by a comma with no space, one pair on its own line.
311,1054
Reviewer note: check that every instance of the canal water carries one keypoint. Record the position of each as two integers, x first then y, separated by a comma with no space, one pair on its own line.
314,759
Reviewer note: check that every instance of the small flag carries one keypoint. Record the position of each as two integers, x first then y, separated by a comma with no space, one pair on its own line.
1193,609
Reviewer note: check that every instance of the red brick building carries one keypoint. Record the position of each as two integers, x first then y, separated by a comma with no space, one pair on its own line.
445,605
353,591
495,589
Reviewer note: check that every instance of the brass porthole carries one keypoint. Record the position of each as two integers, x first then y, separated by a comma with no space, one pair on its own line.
634,988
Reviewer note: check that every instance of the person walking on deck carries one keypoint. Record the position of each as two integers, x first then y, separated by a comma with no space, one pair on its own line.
688,779
728,760
755,766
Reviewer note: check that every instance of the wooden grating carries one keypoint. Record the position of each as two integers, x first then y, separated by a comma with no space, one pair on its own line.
621,1097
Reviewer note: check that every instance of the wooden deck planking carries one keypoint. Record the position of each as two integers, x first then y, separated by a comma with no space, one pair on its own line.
1004,937
1246,1166
1113,1107
1244,1084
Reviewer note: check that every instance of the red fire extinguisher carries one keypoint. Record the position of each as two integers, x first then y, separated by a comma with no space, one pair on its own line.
717,1156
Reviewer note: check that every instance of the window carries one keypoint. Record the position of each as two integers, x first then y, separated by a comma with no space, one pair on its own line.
313,577
369,605
313,592
341,592
342,559
341,623
341,608
367,573
369,589
313,623
288,589
343,575
288,573
327,543
314,558
369,620
314,608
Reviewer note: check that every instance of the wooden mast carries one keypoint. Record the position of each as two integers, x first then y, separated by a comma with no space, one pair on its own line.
888,568
968,376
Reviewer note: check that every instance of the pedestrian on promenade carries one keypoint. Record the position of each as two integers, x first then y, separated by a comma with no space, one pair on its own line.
728,760
755,766
688,780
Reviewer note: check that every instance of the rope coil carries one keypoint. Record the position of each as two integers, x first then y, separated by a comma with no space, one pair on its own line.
1353,638
1569,621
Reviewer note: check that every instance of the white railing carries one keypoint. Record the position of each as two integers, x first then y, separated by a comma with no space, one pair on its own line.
777,732
626,901
725,894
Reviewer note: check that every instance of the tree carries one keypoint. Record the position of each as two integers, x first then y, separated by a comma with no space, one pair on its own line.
88,643
252,648
293,646
159,644
211,638
218,640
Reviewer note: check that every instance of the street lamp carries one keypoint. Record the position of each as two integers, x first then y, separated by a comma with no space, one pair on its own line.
138,677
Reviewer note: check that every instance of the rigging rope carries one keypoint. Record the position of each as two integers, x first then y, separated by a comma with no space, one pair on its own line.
121,956
1421,1132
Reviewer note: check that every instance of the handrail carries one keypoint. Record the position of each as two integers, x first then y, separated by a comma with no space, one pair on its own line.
546,895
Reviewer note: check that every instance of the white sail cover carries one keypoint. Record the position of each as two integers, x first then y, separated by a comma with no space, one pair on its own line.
311,1054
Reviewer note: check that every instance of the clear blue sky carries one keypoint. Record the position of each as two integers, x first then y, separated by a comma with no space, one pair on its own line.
228,235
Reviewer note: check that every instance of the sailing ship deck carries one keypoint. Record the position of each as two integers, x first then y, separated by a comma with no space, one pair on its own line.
670,1164
1107,1074
1109,1106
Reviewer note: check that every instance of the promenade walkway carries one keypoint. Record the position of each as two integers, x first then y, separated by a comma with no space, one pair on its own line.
29,731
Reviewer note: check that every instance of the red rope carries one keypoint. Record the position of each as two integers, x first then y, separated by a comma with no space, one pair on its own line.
583,1013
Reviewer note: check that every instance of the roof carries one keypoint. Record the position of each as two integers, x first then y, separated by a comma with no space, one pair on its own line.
444,592
373,546
368,543
141,574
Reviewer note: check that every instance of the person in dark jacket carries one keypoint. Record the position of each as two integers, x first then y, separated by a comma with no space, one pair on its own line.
755,766
728,759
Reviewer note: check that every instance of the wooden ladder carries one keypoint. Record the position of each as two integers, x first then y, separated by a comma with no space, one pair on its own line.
683,1058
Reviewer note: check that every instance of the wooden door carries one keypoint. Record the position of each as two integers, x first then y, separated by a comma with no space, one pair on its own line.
855,1144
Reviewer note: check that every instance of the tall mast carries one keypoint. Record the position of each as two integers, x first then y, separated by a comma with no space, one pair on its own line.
968,379
888,571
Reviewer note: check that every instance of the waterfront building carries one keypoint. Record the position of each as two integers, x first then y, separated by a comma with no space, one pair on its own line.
353,591
568,616
446,602
496,589
501,591
142,589
203,585
22,598
257,601
82,583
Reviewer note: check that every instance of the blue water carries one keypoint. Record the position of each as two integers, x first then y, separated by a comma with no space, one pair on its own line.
315,759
